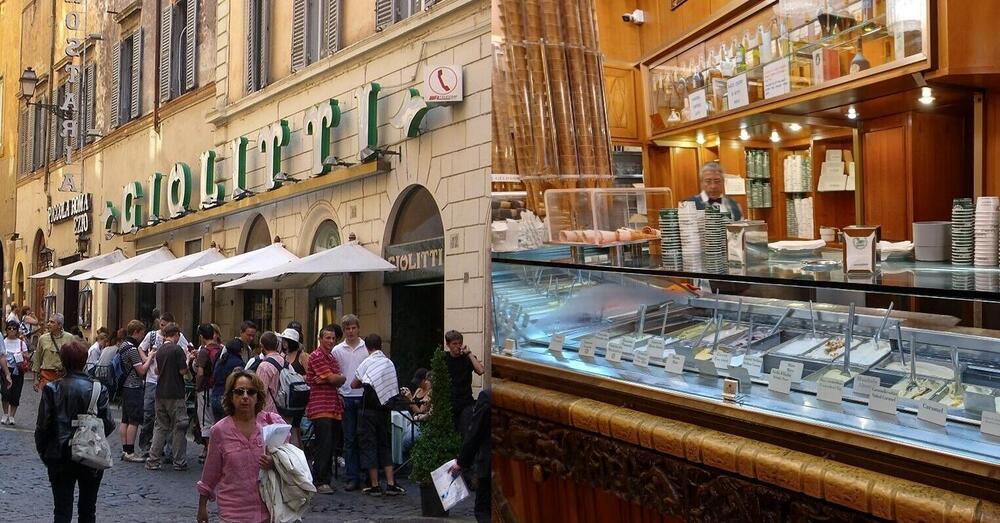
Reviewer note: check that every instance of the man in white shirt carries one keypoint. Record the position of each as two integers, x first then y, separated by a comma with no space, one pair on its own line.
713,192
148,347
349,355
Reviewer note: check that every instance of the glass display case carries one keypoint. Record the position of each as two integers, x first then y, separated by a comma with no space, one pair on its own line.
897,359
607,216
782,48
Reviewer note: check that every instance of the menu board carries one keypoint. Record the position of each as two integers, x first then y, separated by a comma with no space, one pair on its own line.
776,78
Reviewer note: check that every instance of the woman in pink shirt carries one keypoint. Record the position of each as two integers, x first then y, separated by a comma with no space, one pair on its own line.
236,453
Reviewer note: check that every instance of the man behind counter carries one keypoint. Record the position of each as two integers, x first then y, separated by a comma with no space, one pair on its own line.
713,192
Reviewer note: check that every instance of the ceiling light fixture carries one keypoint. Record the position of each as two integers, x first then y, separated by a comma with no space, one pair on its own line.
775,137
795,127
700,138
926,96
851,113
744,135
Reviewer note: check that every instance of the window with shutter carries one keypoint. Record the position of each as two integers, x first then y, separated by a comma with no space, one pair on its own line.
136,74
166,32
331,27
178,49
265,41
384,14
190,57
88,104
39,142
116,54
55,123
253,56
299,54
22,141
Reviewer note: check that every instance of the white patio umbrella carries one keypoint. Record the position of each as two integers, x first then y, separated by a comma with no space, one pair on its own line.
82,266
163,270
117,269
304,272
237,266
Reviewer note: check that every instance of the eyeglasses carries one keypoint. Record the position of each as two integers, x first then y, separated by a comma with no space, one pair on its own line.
244,392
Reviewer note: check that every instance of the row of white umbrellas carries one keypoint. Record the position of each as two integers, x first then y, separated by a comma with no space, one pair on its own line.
271,267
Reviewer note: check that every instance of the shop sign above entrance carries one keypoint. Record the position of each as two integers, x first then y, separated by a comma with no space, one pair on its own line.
319,122
444,84
77,208
417,261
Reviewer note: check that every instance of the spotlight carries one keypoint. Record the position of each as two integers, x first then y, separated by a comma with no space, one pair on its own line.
926,96
851,113
700,138
775,137
744,135
795,127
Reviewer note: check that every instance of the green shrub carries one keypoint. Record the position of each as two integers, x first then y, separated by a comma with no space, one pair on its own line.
438,440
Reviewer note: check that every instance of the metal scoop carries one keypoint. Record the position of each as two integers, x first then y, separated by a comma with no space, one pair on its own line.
848,341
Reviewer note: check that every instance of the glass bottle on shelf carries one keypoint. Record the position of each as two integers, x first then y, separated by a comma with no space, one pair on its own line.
784,40
741,55
726,63
752,53
859,62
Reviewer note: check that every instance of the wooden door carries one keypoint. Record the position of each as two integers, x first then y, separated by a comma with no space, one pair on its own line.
619,86
684,172
885,181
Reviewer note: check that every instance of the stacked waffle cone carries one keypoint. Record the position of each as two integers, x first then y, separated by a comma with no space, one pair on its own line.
549,93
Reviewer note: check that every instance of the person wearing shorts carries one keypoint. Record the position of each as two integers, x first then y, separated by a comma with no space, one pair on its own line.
132,389
377,377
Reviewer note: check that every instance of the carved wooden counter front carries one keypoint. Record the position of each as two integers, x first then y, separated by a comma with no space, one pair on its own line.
560,457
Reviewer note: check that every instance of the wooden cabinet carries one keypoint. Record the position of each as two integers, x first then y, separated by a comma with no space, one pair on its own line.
620,96
915,164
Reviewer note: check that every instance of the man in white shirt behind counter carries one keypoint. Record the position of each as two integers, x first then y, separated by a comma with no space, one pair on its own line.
349,355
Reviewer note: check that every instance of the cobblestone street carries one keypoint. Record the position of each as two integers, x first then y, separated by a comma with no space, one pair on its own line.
130,493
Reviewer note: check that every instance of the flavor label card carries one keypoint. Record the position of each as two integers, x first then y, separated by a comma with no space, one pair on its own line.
794,368
587,348
883,400
655,348
601,340
614,352
933,412
556,343
721,359
990,424
628,344
829,390
753,364
508,346
640,358
674,364
863,384
780,381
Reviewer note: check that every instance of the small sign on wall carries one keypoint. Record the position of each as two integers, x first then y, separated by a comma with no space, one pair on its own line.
443,84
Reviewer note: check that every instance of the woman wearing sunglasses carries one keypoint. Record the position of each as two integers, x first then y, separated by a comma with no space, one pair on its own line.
15,352
236,452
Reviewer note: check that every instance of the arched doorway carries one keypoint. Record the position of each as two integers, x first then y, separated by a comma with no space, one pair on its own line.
41,260
326,296
18,284
416,246
258,305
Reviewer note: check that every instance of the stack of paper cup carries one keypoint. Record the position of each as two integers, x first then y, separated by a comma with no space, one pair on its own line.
692,227
987,211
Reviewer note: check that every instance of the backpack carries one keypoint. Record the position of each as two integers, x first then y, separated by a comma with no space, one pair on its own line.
217,368
292,393
213,356
88,445
112,375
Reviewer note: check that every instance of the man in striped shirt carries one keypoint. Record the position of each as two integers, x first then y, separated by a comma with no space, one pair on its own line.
377,376
325,408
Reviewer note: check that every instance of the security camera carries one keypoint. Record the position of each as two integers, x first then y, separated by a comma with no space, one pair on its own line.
637,17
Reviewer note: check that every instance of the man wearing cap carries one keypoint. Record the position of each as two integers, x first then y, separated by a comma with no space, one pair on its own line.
713,192
46,364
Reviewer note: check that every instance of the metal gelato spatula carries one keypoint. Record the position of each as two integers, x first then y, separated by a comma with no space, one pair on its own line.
885,320
812,319
848,341
787,313
913,365
959,387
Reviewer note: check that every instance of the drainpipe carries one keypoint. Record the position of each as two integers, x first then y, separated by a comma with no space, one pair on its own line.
156,67
51,82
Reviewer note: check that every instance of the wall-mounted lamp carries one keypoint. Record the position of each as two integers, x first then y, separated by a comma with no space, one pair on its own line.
700,138
926,96
775,137
852,113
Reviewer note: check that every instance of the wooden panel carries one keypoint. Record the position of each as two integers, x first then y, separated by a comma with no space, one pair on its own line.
941,170
731,158
619,39
684,172
885,182
619,86
833,209
991,144
964,55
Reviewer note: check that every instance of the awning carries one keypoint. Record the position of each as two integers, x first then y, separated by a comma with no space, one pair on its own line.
305,272
82,266
163,270
117,269
237,266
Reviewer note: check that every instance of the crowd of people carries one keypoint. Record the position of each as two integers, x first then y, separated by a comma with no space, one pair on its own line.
337,398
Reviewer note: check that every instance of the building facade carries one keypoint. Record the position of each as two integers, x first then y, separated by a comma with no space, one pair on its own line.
242,122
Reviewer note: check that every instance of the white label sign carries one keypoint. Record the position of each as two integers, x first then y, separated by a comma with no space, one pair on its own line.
508,346
990,424
601,340
640,358
587,348
736,91
780,381
675,364
614,351
753,364
698,104
721,359
933,412
655,348
443,83
794,368
628,344
776,78
829,390
556,343
863,384
883,399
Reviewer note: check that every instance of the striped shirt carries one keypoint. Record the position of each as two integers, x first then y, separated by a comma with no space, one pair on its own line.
324,402
379,372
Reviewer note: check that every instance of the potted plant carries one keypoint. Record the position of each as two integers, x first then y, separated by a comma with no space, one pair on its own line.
438,442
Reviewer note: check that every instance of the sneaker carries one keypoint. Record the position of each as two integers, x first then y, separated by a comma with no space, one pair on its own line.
133,458
351,486
340,462
372,491
152,466
180,467
324,489
394,490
